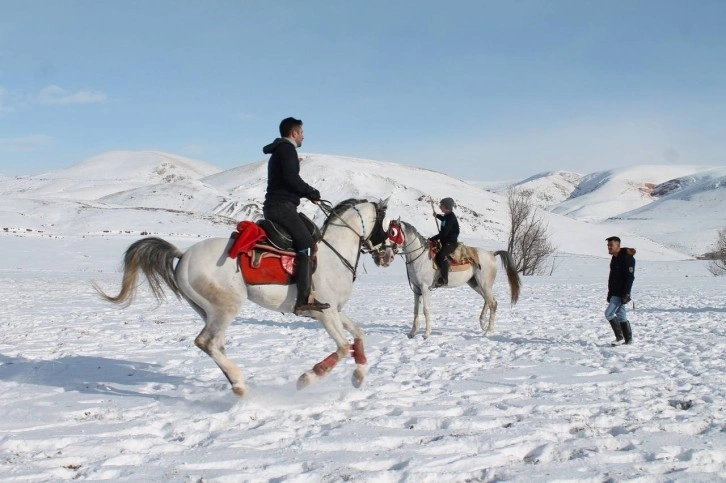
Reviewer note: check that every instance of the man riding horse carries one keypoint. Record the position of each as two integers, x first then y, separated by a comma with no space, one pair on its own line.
285,187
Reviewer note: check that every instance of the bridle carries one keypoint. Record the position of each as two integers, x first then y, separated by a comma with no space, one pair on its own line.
366,243
395,232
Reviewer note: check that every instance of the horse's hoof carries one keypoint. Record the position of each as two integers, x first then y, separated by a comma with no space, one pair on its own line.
238,390
358,376
305,380
426,336
411,335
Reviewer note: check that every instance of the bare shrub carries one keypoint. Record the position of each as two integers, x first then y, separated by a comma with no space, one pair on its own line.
717,263
529,238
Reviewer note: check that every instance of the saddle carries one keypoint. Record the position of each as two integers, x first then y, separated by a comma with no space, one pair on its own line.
265,253
461,258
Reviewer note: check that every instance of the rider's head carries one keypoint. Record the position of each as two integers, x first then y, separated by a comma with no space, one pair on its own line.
447,203
292,128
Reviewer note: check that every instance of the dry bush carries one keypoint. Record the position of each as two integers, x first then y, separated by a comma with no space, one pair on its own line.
529,238
717,263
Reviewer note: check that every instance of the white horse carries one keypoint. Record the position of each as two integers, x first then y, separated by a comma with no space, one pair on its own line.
479,274
211,282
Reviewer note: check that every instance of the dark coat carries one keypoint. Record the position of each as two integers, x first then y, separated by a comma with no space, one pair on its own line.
284,183
622,273
449,232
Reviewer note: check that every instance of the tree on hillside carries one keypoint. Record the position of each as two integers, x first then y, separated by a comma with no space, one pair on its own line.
717,263
529,238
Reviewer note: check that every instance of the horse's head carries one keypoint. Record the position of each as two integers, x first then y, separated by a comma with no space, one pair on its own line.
395,239
363,217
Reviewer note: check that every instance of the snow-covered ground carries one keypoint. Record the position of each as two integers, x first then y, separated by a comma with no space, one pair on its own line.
89,391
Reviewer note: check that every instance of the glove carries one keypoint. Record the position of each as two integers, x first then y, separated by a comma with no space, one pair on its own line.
314,195
626,298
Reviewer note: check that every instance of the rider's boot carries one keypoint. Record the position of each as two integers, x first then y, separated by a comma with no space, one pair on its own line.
444,277
304,279
618,331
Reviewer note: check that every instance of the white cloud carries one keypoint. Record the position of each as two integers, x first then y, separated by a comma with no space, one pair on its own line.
57,95
26,143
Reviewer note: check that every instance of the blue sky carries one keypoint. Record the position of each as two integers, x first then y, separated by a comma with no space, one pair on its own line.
477,89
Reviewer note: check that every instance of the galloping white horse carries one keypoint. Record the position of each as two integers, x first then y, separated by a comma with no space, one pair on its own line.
479,275
211,282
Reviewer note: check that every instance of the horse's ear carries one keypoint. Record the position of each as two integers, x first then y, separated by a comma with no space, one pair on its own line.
384,203
399,219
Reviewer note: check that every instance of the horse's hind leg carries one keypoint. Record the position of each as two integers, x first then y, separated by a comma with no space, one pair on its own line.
211,341
218,310
358,350
490,303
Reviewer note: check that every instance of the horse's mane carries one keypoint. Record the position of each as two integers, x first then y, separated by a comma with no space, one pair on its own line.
341,207
418,235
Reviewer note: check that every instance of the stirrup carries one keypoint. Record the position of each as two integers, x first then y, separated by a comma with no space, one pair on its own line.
314,306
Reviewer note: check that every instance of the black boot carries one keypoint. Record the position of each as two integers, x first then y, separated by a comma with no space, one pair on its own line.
617,331
627,333
304,279
444,277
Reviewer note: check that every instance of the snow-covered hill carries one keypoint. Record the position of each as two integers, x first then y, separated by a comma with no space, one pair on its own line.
689,211
150,192
602,195
547,189
108,173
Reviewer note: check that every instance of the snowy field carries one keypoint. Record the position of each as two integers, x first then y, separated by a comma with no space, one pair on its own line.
89,391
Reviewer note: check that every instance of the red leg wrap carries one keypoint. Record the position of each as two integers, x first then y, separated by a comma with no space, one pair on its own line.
358,353
326,365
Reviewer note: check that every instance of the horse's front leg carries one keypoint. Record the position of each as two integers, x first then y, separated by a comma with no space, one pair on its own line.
331,321
359,355
414,327
426,296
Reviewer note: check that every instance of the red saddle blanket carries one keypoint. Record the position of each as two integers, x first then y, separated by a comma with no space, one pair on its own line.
260,264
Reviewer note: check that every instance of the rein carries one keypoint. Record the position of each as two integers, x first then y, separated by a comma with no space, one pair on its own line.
327,208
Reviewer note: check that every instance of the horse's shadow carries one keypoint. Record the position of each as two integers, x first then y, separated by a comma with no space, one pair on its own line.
308,324
89,375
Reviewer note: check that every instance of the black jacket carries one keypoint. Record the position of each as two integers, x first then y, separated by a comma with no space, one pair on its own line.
622,273
283,175
449,232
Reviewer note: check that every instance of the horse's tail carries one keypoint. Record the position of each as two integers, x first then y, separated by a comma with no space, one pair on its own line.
155,257
514,282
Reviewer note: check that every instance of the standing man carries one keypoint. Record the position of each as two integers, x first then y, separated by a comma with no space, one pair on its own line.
449,237
285,187
620,281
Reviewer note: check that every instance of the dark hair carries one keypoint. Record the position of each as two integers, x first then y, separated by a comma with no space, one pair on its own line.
448,203
287,125
613,238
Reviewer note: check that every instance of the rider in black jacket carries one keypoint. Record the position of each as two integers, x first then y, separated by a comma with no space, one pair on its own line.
449,237
285,187
620,282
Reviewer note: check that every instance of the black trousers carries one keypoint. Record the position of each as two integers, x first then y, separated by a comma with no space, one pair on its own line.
445,251
285,213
